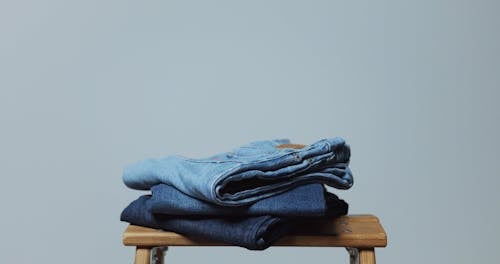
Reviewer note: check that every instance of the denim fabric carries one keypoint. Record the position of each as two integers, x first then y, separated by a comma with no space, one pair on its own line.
258,232
249,173
252,232
307,200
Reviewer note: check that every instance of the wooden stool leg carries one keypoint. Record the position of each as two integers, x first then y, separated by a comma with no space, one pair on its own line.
142,255
361,255
367,256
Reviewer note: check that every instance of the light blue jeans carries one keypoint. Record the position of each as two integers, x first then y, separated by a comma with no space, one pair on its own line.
249,173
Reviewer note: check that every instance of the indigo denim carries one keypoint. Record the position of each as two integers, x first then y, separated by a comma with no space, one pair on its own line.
249,173
257,232
252,232
307,200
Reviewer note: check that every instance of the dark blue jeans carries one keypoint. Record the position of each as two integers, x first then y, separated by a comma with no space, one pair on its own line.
307,200
257,232
249,231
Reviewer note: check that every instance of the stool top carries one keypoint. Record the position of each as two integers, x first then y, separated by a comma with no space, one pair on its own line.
359,231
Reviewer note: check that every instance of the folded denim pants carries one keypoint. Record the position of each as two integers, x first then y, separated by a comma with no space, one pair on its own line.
252,232
309,200
257,232
249,173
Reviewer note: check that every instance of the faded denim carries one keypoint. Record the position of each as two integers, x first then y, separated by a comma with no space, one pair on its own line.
249,173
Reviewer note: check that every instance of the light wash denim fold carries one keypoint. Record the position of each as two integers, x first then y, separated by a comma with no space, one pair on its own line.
249,173
308,200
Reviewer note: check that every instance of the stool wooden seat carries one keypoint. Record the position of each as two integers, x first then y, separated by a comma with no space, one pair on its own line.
359,234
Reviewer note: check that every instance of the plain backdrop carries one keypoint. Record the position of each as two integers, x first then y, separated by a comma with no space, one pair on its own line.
87,87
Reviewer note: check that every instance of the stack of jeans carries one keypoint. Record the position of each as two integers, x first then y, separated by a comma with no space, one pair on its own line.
249,197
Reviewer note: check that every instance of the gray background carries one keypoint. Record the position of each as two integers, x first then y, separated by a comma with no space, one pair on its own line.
90,86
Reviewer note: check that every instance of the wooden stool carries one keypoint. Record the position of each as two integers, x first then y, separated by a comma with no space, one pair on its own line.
359,234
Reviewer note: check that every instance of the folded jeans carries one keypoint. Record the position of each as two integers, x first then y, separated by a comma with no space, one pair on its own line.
252,232
248,173
257,232
309,200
